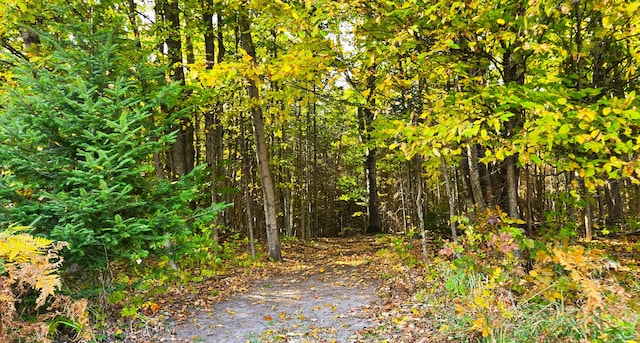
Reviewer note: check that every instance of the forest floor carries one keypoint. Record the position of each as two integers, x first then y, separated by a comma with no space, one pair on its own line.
326,290
374,289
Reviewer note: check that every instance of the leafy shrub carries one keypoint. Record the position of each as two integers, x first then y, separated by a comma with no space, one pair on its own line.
28,281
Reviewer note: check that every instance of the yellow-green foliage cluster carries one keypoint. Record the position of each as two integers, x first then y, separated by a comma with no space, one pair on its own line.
29,267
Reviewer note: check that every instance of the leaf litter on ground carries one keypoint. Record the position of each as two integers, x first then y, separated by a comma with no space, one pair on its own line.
356,289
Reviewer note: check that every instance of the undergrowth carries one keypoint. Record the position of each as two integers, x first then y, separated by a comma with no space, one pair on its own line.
32,308
496,285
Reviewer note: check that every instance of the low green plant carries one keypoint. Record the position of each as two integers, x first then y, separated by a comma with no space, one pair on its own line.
203,257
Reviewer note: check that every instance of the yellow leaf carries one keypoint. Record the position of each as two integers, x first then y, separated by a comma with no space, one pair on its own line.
398,320
500,21
479,324
480,301
282,315
231,312
562,101
246,58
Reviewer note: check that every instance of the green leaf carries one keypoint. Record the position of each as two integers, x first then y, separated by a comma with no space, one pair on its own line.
453,45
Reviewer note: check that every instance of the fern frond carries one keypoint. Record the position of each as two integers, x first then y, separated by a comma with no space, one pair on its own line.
22,247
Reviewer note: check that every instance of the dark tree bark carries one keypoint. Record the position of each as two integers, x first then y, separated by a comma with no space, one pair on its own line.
637,210
370,165
182,152
513,72
474,176
614,203
31,41
366,117
214,131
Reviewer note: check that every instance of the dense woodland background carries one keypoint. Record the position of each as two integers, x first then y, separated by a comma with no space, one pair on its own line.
364,116
126,126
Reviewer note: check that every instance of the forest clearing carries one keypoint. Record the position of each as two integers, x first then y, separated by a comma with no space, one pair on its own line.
319,171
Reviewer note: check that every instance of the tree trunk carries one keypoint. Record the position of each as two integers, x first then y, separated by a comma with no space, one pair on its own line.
370,164
452,201
601,220
570,207
248,195
514,69
314,171
588,212
366,117
303,177
313,231
414,166
512,186
419,203
182,152
168,11
530,217
614,202
465,183
262,154
637,211
474,176
213,127
286,173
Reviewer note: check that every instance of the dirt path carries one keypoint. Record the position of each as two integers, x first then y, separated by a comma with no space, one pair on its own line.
316,308
321,299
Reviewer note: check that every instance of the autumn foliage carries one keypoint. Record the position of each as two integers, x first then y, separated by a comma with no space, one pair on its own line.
501,285
29,269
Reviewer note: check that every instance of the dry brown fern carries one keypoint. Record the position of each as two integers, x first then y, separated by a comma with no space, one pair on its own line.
30,264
